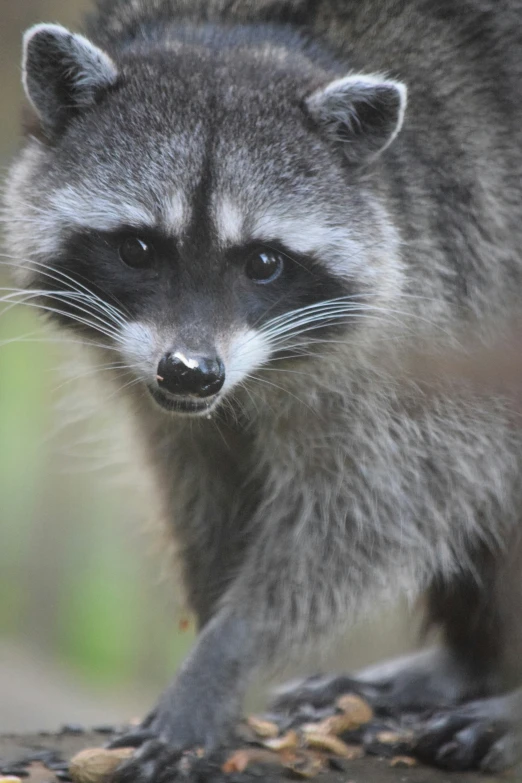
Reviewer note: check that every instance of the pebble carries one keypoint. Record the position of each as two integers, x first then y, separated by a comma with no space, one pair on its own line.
104,729
57,766
403,762
45,756
337,764
72,728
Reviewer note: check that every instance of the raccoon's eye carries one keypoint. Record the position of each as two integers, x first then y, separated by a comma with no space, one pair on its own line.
263,266
136,253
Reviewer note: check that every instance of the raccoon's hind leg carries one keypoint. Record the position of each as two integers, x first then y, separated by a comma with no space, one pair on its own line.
480,617
413,683
457,697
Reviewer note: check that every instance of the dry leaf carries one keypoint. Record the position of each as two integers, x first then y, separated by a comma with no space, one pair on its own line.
334,745
403,761
393,737
240,760
288,741
356,708
263,728
335,724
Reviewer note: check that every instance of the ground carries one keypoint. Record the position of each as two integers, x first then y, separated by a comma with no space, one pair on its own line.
15,748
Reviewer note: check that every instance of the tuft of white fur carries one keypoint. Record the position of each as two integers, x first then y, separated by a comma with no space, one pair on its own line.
140,346
229,220
176,213
246,351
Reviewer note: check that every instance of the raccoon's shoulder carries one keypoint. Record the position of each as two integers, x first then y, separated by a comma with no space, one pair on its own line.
113,19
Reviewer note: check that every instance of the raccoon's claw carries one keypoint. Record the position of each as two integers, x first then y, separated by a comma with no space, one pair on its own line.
153,762
464,738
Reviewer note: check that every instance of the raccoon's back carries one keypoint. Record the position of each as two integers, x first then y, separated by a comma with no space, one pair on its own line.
478,19
117,19
441,47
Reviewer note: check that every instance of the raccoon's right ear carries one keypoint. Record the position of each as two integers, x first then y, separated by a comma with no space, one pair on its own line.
62,73
362,113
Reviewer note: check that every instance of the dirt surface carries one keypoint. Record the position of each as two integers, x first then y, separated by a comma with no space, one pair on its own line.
32,755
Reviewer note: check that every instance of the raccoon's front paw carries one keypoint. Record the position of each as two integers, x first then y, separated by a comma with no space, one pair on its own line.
471,736
167,743
153,761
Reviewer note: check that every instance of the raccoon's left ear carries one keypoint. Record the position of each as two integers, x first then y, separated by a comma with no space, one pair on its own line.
362,113
62,73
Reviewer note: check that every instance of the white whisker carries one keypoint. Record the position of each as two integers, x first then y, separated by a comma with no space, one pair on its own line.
85,322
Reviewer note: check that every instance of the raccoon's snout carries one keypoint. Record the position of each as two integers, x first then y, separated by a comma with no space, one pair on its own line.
194,376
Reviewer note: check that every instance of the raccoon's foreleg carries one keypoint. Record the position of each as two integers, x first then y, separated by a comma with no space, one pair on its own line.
201,476
201,706
284,592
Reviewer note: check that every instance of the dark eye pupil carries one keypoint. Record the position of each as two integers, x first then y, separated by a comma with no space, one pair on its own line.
263,266
135,252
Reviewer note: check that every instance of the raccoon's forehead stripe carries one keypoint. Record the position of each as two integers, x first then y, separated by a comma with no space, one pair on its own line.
100,212
303,234
107,212
311,234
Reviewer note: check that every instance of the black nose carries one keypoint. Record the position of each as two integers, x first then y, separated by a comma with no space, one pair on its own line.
197,376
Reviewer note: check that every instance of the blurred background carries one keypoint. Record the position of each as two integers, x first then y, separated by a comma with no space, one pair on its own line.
89,628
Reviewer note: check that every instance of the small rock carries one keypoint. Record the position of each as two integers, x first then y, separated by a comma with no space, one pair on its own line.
104,729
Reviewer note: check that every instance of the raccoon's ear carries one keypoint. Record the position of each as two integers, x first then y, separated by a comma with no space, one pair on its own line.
62,73
362,113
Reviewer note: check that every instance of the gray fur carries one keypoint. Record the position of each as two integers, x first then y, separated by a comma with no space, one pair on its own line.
309,493
63,72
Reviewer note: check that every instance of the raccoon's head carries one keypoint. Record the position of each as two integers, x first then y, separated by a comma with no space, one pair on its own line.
204,208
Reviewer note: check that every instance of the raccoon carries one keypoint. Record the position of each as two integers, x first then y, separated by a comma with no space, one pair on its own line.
255,207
